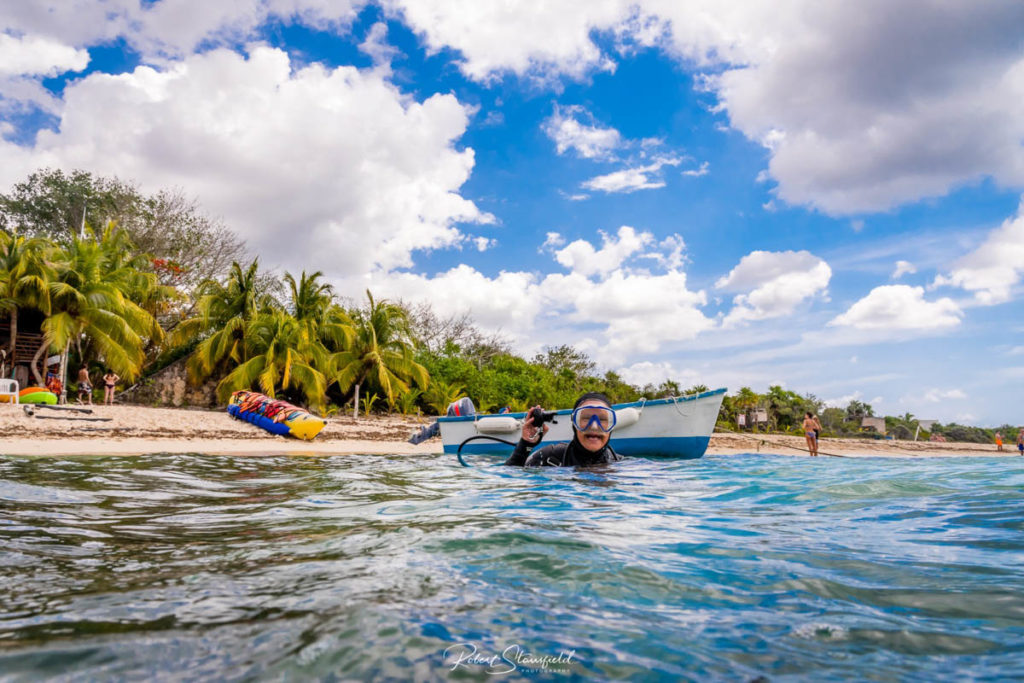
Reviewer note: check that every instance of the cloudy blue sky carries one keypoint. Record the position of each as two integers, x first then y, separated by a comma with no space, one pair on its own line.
823,195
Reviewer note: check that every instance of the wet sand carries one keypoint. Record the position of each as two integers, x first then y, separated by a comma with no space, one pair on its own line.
135,430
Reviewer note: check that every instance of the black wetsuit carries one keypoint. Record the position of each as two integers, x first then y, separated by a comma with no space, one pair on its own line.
571,454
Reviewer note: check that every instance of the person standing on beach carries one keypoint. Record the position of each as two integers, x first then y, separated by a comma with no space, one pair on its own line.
109,383
1020,441
810,424
999,442
84,384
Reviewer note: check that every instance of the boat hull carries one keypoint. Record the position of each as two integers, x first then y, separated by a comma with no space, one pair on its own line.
664,428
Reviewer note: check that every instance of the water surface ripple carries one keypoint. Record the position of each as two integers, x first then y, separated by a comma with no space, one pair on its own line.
371,567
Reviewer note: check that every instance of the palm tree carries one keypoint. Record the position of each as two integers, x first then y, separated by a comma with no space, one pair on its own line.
310,300
88,297
322,320
223,311
381,352
277,360
24,279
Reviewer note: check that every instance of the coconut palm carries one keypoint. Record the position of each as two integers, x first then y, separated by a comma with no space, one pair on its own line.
322,320
223,311
276,360
24,277
87,296
381,352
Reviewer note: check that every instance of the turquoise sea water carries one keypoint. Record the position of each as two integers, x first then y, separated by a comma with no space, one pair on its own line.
397,568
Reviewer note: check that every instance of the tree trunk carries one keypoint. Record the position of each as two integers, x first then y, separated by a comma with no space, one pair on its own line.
14,333
355,404
64,374
35,360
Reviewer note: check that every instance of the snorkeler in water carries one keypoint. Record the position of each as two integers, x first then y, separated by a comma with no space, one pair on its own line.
592,422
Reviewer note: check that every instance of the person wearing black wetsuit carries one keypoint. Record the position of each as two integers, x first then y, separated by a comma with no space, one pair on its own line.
592,422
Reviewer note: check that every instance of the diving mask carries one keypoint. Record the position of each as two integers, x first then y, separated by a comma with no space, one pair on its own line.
598,417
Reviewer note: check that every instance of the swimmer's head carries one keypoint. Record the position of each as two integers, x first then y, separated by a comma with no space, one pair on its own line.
593,419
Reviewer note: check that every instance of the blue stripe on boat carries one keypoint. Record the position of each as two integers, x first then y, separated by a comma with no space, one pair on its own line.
683,447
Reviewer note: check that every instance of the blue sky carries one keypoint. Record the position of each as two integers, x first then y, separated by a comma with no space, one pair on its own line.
821,195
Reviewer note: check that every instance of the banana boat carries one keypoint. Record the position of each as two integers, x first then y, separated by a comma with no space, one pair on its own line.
275,416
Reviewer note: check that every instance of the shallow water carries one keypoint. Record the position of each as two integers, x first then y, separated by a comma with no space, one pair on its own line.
368,567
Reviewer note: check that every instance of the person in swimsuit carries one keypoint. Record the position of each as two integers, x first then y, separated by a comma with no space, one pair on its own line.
999,441
109,383
810,424
1020,441
592,422
84,385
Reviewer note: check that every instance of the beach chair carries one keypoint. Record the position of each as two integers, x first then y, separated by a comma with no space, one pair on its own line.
9,388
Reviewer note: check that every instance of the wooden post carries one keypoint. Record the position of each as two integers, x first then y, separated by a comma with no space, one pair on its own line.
355,404
64,374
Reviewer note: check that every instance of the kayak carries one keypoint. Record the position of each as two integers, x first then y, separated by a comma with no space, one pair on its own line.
275,416
43,396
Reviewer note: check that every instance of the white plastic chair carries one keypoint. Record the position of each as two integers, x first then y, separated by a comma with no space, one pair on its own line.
9,387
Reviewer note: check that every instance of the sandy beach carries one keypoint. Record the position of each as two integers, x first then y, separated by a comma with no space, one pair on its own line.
135,430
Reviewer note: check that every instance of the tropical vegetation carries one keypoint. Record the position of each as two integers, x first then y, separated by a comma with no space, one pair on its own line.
134,282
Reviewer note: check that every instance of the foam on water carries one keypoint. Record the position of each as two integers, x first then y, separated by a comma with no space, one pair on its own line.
398,567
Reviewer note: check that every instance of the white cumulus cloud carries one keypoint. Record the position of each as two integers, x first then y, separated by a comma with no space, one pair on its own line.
24,60
903,268
632,179
940,395
588,140
38,56
899,307
775,284
623,312
270,147
648,372
991,270
641,312
508,302
580,256
862,106
532,39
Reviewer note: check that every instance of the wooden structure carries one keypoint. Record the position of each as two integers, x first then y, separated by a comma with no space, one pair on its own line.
30,336
875,423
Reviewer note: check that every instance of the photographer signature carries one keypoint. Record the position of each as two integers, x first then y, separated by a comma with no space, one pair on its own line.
512,658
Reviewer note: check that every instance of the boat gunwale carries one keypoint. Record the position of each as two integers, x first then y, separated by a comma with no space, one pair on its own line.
568,411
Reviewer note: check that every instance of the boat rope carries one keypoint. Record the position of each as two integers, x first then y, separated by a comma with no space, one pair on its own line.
779,445
675,403
458,453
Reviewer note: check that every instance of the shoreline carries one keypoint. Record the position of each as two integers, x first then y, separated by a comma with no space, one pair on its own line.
140,430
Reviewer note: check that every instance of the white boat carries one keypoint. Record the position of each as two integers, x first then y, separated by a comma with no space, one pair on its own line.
677,427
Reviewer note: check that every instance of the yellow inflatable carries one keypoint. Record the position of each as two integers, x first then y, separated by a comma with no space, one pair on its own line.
277,417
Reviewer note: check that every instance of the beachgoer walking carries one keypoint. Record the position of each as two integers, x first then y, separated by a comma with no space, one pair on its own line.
812,437
1020,441
999,442
84,384
109,383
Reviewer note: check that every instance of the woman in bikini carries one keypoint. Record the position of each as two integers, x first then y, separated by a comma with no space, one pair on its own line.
109,382
810,424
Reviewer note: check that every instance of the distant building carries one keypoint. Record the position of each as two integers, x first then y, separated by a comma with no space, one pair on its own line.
30,336
875,423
